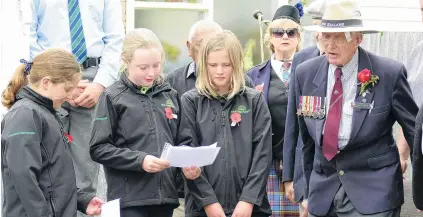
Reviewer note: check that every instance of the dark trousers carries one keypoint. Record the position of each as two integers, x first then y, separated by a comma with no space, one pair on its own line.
147,211
342,207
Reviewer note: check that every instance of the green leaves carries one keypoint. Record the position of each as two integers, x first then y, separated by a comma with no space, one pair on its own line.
373,81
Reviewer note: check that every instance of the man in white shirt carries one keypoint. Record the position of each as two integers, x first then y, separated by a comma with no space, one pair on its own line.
93,31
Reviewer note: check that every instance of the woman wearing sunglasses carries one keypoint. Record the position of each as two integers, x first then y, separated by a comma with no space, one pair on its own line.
272,78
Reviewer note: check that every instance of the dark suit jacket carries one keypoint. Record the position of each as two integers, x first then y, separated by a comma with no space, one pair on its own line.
418,163
368,167
293,145
261,74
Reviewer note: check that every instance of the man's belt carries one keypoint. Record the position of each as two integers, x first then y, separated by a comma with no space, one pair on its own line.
91,62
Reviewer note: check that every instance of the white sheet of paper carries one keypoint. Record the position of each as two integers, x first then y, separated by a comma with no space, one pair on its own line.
111,209
186,156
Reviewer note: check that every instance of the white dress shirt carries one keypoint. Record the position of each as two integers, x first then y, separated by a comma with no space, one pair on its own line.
349,89
103,31
277,66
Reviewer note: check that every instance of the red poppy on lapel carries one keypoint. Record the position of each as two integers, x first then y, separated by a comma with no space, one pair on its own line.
235,118
169,113
69,138
366,78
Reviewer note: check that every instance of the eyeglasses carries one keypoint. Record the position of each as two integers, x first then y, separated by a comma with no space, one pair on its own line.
290,32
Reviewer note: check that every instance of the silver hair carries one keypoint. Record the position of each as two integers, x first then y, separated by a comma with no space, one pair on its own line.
205,25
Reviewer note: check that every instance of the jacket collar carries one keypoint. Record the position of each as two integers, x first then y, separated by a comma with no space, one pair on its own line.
191,70
156,88
29,93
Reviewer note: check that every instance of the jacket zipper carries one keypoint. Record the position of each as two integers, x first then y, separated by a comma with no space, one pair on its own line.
50,188
157,133
148,113
226,162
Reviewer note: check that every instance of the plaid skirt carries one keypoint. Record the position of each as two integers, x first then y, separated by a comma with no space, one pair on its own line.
281,206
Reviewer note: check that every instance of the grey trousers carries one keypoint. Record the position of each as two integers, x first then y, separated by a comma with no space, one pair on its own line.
77,123
180,210
342,207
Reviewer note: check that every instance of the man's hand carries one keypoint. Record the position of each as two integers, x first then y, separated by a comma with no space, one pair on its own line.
243,209
289,191
192,172
214,210
94,207
89,97
153,164
404,166
77,91
304,205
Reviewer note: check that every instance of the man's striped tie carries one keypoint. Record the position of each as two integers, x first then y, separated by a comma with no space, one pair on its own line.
79,47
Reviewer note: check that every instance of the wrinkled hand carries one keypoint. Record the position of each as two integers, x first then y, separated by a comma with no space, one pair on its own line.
89,97
94,207
153,164
214,210
191,172
289,191
304,205
243,209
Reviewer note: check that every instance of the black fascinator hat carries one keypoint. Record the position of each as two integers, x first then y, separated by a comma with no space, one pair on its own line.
289,12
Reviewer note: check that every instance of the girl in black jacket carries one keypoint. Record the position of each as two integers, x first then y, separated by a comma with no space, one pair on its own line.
133,120
37,169
221,109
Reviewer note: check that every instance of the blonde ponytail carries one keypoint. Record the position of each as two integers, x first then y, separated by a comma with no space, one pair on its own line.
18,80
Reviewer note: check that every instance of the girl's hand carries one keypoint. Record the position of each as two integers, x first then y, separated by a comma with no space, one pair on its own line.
192,172
153,164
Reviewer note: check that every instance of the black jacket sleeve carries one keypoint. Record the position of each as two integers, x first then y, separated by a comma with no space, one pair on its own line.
403,106
309,145
103,149
200,188
291,130
255,185
83,199
23,154
418,163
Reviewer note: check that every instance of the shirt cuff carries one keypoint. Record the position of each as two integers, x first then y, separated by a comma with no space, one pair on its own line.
104,78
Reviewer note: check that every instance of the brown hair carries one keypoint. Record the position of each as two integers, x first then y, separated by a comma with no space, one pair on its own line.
224,40
57,64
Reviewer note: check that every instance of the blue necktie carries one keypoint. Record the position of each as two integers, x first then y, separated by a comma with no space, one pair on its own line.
79,47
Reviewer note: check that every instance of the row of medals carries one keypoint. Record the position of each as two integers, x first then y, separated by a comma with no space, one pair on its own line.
315,114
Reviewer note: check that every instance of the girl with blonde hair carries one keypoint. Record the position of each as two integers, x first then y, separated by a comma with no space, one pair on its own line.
221,109
134,119
272,78
37,169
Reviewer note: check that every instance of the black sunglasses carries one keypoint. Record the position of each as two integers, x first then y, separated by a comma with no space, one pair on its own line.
278,32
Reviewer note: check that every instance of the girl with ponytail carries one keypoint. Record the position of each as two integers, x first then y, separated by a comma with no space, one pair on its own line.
37,169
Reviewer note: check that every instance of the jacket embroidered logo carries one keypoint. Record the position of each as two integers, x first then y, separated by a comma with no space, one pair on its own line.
236,116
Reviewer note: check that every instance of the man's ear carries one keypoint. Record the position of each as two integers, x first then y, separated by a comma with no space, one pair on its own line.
189,48
359,38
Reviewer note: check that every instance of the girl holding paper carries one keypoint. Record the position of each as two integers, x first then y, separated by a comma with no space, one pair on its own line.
221,109
134,118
